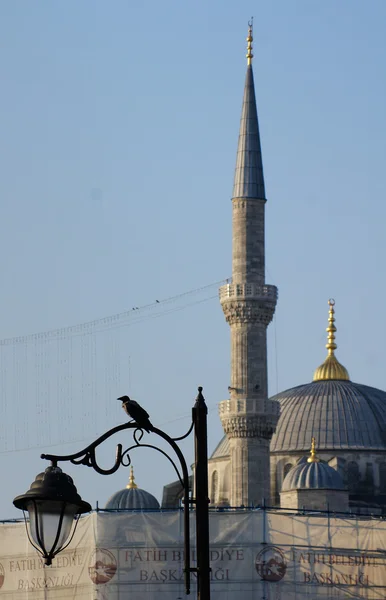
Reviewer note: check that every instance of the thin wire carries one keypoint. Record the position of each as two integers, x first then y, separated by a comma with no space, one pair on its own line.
145,318
62,339
211,408
105,321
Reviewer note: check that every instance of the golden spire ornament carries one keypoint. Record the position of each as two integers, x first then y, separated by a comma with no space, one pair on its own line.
331,368
331,329
313,458
131,485
249,54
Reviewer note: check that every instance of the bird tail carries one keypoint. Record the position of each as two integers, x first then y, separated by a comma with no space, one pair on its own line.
148,427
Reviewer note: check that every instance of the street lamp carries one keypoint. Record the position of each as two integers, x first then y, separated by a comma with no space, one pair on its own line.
53,501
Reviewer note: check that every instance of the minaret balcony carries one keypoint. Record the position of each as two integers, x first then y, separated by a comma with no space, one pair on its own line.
241,417
248,302
235,291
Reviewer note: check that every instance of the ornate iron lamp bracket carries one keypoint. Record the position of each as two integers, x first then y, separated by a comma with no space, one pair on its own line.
87,457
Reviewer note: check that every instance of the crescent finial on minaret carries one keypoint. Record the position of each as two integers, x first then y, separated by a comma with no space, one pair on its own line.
249,54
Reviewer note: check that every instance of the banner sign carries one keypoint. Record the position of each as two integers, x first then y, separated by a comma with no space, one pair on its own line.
260,554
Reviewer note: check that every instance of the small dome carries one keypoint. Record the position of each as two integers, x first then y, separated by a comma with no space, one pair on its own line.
132,498
312,474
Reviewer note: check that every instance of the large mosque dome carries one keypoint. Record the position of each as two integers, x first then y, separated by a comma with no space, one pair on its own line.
341,415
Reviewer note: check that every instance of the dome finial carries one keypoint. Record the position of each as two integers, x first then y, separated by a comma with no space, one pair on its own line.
331,368
131,485
331,329
249,54
312,458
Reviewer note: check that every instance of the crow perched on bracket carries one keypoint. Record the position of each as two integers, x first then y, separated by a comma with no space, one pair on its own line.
136,412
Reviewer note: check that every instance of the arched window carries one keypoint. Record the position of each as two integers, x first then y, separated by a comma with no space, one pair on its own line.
382,477
286,470
353,476
214,488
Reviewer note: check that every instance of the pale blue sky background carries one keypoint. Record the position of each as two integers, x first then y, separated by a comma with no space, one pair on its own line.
118,134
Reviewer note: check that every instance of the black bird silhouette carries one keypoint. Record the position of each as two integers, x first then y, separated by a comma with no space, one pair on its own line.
137,413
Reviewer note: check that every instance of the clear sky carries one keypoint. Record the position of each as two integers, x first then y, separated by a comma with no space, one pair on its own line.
119,126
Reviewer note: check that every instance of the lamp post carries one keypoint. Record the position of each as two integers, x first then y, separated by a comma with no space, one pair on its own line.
53,501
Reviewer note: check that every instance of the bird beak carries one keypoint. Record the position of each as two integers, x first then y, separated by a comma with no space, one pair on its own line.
121,399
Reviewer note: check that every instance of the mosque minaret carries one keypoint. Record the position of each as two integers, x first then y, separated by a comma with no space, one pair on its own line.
248,416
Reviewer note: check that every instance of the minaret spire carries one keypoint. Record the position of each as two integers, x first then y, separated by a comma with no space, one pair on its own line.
248,417
249,178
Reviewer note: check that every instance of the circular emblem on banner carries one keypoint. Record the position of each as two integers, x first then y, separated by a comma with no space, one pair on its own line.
2,575
270,564
102,566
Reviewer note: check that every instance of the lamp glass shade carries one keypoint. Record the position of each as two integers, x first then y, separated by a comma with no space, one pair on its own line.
50,524
52,503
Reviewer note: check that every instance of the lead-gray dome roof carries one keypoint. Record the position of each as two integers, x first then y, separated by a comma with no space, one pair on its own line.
135,499
312,476
340,414
132,498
